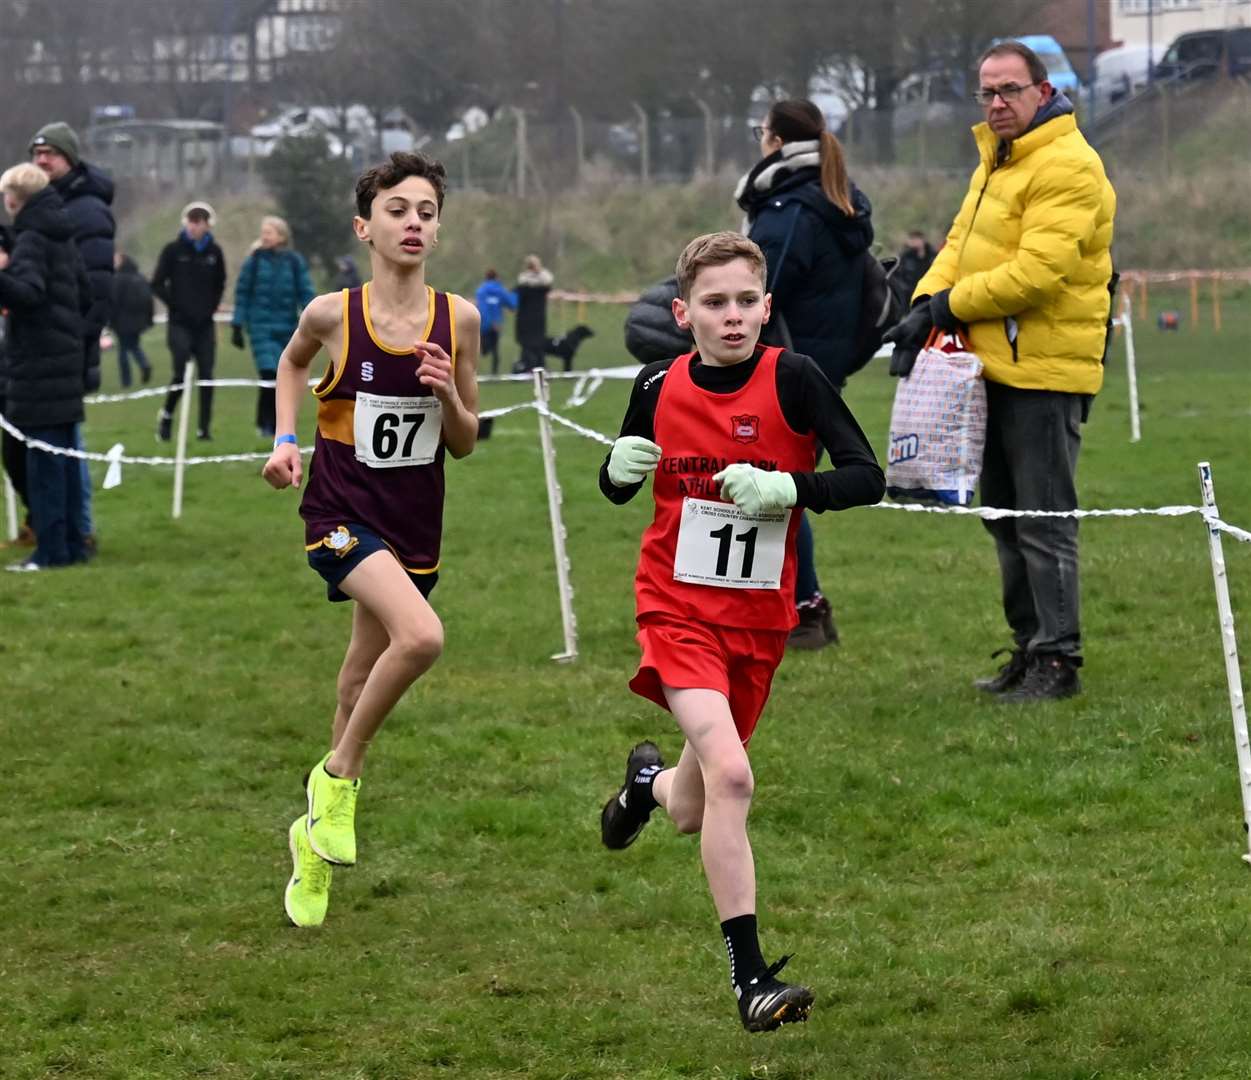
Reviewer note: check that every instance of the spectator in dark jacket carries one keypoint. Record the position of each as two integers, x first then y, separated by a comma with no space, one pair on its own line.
346,275
272,289
88,195
814,227
132,315
12,448
533,284
915,258
189,280
45,288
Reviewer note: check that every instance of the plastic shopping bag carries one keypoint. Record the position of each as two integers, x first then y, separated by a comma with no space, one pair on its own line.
938,426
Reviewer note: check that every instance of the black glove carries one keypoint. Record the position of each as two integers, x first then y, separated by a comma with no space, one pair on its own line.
236,337
940,313
909,336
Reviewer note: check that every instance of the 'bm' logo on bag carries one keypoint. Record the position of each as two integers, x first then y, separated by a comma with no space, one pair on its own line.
745,428
903,448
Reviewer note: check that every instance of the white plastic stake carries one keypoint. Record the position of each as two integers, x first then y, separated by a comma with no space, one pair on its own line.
180,452
567,618
10,509
1131,368
1229,645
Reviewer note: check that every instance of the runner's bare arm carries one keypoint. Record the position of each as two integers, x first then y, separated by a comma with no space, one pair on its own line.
456,386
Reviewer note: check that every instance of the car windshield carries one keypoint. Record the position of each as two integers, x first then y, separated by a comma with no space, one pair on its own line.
1056,63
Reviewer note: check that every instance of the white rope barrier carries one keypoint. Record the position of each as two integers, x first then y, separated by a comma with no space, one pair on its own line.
1238,534
586,432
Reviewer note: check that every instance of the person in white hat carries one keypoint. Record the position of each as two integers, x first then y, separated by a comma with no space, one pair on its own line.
189,280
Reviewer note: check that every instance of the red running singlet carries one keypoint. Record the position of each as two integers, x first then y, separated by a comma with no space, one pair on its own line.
378,455
708,562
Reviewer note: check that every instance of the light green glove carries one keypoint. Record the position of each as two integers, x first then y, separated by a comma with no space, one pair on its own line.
756,491
631,459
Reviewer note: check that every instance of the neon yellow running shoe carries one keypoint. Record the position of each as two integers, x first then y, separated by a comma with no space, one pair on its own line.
332,815
308,891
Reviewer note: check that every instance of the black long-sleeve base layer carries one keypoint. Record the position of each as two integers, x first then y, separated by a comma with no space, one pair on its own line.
809,403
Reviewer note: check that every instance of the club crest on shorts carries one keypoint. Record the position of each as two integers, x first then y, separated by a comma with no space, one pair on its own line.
340,541
745,428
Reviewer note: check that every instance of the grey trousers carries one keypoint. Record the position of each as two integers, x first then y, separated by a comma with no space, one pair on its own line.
1030,463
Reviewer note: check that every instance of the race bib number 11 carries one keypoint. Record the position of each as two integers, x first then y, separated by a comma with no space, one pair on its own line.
720,545
395,431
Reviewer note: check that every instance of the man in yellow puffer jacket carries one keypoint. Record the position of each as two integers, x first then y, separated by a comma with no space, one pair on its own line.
1026,271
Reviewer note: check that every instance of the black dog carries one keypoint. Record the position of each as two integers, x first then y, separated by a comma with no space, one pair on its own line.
565,347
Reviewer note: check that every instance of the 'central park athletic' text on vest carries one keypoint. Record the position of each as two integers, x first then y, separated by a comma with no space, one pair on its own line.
378,456
701,558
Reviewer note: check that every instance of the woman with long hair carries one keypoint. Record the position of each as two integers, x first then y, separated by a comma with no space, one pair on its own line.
814,227
272,289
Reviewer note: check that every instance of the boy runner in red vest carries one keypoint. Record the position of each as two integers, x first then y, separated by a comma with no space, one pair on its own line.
398,393
731,433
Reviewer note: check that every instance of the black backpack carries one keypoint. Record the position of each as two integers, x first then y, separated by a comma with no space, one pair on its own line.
880,306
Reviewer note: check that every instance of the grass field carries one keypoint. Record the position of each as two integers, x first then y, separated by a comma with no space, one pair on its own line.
973,892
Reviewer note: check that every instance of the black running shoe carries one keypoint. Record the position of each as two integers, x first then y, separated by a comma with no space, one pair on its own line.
766,1003
1009,676
620,822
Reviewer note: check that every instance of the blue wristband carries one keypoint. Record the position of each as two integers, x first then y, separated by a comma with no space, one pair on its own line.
285,439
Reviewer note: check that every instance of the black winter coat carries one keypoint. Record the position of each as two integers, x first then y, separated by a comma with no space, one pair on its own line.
48,295
88,193
132,300
817,287
6,245
188,282
530,325
650,331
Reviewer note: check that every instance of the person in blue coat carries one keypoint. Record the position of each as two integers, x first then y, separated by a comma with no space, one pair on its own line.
492,297
272,289
813,225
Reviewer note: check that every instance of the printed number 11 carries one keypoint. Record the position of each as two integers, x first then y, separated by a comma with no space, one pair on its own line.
724,536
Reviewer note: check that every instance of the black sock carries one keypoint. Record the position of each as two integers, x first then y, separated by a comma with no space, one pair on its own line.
640,795
743,947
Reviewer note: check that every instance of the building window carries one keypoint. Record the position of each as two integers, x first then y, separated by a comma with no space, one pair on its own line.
1158,7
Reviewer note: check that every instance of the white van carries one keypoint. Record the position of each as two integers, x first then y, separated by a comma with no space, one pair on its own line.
1122,72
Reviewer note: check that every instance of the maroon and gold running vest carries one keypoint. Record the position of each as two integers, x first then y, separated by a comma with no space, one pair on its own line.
378,456
700,557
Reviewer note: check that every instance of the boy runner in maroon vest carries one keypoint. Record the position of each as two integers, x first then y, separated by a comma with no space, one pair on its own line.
731,433
399,391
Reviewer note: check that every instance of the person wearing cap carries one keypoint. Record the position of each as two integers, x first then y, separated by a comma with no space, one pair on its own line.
87,193
189,280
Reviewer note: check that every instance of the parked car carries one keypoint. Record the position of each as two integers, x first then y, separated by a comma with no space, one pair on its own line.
1060,72
1204,54
1122,72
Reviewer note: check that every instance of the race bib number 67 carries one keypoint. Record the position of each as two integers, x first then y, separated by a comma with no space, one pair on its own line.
395,431
720,545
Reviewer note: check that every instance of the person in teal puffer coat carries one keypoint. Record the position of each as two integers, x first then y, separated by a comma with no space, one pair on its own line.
272,289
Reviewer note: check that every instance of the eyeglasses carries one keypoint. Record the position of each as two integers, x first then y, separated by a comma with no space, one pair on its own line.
1009,92
758,131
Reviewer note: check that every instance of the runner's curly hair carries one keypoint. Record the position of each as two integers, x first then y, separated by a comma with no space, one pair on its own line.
397,168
